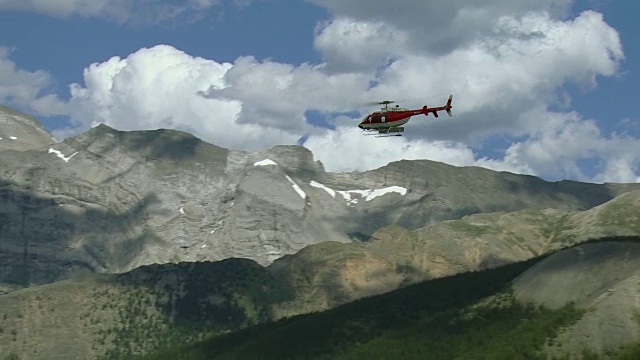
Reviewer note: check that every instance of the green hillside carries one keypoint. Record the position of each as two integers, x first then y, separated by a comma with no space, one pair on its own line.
468,316
110,317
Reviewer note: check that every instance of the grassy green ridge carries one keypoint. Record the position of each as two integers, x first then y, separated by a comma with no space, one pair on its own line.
109,317
436,317
181,303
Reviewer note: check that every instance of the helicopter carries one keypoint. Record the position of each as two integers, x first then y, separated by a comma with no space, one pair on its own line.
389,120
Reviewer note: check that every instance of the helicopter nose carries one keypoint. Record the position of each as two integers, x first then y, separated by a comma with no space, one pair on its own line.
360,126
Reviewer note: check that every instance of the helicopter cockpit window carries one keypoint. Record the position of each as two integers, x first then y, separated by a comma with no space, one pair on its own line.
375,118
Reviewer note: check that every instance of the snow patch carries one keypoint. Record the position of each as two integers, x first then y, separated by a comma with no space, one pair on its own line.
216,228
316,184
181,209
297,188
61,155
264,162
13,138
347,196
368,194
374,193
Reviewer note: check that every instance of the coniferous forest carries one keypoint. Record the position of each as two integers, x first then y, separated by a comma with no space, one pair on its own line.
468,316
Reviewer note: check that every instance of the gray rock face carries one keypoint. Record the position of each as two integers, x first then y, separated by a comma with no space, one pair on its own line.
111,201
20,132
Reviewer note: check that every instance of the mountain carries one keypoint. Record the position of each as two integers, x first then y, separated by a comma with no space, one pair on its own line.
157,306
438,319
109,201
19,132
107,316
332,274
115,244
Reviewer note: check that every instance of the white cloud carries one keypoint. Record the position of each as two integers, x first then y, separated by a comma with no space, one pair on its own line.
346,149
349,45
437,26
146,11
24,89
563,143
494,79
277,95
161,87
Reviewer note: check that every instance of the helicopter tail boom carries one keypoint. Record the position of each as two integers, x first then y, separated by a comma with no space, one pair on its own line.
426,110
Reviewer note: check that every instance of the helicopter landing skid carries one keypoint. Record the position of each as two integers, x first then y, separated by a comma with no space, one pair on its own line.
393,131
378,135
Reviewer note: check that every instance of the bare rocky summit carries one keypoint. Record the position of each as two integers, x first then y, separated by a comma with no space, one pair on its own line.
20,132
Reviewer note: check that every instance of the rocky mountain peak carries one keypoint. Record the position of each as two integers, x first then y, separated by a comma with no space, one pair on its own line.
151,144
296,159
21,132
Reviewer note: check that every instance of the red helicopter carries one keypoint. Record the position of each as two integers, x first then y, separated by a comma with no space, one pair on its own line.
389,120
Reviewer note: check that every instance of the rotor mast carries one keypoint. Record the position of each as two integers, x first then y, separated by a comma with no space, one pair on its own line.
386,103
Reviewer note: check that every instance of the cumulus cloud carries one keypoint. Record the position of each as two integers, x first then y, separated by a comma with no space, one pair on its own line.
346,149
147,11
436,26
351,45
278,95
497,78
26,89
162,87
557,149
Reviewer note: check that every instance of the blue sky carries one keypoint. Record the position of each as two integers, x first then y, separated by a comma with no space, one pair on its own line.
66,46
252,74
615,98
